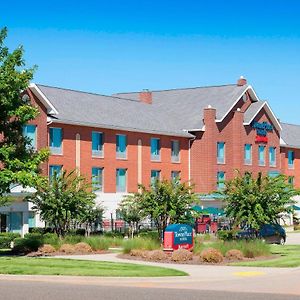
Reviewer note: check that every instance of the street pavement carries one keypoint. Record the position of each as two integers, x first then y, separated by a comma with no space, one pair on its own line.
292,238
25,290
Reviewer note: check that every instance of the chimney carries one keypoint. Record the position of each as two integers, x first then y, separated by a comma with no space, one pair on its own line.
242,81
209,116
146,96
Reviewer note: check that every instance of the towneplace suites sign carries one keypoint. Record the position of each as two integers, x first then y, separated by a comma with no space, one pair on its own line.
262,130
178,236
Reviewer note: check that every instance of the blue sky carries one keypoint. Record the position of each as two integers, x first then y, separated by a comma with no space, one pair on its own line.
113,46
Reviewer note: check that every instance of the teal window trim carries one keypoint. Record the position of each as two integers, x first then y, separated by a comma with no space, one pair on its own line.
248,154
121,180
261,156
121,146
221,153
272,156
155,149
97,179
55,140
29,132
97,144
175,151
291,159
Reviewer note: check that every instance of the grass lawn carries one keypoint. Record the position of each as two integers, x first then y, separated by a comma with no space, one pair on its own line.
53,266
289,257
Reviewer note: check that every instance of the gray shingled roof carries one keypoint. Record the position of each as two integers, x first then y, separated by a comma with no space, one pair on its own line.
171,111
253,110
290,134
186,105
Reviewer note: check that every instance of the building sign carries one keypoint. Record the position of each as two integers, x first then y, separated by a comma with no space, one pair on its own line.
178,236
262,130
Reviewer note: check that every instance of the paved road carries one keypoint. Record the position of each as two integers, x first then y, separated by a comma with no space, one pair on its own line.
25,290
293,238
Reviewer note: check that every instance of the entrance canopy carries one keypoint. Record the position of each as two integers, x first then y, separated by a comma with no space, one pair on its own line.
208,210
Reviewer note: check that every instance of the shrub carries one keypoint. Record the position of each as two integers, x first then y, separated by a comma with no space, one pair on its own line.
181,255
227,235
46,249
83,248
211,255
157,255
67,248
6,238
114,234
52,239
31,242
234,254
98,243
149,235
73,239
139,253
140,243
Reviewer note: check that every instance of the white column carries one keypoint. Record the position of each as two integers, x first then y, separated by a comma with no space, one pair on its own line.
25,227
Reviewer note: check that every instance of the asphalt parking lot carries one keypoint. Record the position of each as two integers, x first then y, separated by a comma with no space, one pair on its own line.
293,238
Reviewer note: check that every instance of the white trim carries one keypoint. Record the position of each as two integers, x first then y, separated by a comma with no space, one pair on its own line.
237,100
275,120
50,108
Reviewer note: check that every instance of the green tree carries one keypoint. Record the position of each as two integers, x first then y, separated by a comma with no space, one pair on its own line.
66,199
166,202
255,201
131,212
18,162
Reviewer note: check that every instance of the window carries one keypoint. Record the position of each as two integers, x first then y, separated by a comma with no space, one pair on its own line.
175,175
220,180
261,156
155,149
291,180
175,151
121,180
248,154
97,144
272,156
97,179
155,175
121,145
54,170
29,132
291,159
55,140
221,152
31,219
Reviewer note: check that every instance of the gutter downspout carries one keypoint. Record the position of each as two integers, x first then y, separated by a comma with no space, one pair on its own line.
190,140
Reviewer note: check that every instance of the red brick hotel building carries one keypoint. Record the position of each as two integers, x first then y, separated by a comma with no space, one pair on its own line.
201,134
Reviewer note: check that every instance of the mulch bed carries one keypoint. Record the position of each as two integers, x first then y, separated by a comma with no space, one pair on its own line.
40,254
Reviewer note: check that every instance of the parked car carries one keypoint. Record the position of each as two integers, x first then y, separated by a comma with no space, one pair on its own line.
270,233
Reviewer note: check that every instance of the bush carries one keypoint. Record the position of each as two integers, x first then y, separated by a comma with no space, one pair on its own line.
31,242
211,255
139,253
157,255
46,249
83,248
52,239
6,238
234,254
140,243
114,234
67,248
149,235
227,235
73,239
182,255
98,243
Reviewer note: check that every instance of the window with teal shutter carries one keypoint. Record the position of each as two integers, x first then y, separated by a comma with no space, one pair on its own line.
29,132
97,179
175,175
248,154
221,180
155,149
121,145
121,180
221,152
155,175
261,156
54,170
175,151
55,143
291,159
272,156
97,144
